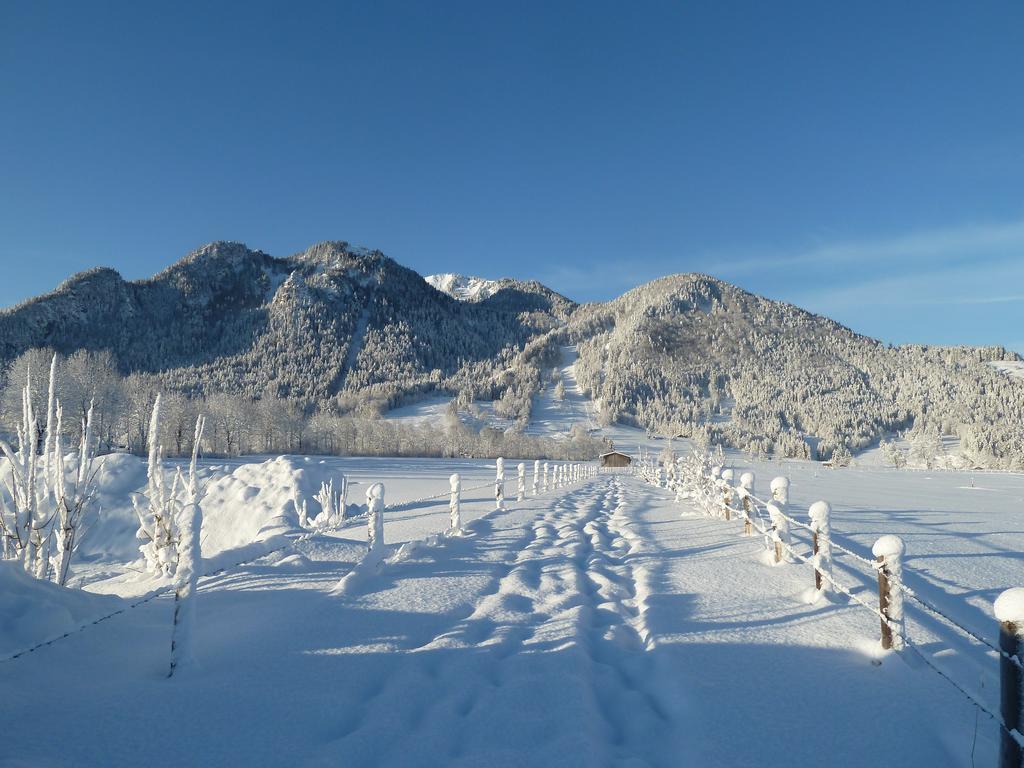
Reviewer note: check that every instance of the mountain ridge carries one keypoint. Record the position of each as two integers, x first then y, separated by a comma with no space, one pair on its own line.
338,325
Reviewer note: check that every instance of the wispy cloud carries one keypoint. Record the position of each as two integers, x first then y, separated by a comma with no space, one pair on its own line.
987,300
849,269
926,248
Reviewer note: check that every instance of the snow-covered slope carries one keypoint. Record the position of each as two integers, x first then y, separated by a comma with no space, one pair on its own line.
1014,368
462,287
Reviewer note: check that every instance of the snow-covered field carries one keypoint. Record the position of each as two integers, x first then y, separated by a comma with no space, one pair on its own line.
600,624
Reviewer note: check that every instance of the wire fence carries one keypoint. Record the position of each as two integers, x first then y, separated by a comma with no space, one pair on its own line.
713,495
291,542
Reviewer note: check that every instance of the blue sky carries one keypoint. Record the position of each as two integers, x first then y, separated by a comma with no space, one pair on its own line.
863,160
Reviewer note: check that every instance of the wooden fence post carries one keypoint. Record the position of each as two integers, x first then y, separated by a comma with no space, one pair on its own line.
536,477
375,517
727,476
521,485
820,514
499,483
780,531
547,485
1009,611
888,551
746,491
455,503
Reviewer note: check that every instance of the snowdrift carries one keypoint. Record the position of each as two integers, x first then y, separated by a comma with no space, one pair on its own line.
247,508
34,611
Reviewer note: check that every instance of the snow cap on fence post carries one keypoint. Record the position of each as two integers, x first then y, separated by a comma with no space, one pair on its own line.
716,471
780,489
375,516
780,531
820,514
521,486
728,475
1009,611
536,477
889,551
499,483
455,503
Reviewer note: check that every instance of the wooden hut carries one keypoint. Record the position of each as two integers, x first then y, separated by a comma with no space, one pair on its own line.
615,459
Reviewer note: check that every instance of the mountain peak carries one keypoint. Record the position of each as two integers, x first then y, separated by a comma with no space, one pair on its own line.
464,287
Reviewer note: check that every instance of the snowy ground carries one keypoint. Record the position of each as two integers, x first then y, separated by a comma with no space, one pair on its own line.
1012,368
550,416
597,625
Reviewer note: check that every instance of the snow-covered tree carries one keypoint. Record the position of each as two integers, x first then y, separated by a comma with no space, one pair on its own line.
157,508
190,524
43,501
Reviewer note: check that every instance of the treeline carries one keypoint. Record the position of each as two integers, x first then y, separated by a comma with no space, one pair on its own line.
238,425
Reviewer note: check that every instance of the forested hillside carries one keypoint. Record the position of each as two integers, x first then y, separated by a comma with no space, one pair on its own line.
276,347
695,356
332,319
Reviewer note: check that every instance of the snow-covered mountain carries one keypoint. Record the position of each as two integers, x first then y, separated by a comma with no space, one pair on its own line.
336,328
331,319
695,356
463,287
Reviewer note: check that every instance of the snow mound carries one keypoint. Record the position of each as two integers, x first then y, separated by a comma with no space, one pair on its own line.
464,288
34,611
256,502
110,530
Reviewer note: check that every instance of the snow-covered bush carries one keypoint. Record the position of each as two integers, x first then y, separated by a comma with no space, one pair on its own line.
302,511
332,504
893,454
43,502
159,508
